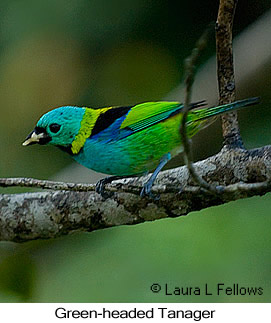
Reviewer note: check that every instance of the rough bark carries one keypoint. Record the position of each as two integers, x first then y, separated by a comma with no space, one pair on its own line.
225,71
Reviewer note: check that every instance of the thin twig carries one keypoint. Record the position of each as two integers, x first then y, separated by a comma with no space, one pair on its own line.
123,187
190,69
44,184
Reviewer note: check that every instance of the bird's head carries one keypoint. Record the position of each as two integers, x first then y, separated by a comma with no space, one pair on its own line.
57,127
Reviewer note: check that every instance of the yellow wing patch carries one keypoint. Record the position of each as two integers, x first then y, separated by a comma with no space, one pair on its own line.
87,124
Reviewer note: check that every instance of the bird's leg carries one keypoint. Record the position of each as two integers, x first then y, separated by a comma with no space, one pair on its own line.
146,190
100,185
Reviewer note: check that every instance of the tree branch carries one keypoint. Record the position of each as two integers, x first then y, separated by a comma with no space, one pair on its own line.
45,215
225,71
44,184
226,84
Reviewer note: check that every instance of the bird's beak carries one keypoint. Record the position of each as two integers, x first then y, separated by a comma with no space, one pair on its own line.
33,138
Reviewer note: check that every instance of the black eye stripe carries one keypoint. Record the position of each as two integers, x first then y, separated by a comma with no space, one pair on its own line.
54,127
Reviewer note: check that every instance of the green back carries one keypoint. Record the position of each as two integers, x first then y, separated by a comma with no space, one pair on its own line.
149,113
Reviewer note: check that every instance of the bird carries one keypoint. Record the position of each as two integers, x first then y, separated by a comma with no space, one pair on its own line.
125,141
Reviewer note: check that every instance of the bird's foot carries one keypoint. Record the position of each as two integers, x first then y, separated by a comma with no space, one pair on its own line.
146,192
100,188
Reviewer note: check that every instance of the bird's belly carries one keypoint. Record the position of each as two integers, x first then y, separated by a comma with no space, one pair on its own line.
136,154
107,158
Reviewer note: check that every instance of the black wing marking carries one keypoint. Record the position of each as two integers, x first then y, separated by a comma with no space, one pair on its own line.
106,119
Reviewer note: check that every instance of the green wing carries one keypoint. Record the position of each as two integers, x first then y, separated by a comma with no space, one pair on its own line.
147,114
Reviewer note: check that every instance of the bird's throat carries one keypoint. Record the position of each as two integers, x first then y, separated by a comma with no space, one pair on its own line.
87,124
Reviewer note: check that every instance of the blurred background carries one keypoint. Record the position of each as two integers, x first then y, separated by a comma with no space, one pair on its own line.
97,53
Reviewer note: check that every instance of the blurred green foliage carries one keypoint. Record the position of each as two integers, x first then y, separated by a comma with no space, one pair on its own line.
96,53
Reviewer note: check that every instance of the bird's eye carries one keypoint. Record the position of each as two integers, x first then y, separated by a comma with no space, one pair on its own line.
54,127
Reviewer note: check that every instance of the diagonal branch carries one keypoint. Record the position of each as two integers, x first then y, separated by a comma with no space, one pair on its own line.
190,69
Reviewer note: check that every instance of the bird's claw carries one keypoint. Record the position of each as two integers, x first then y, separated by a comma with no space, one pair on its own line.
100,189
146,192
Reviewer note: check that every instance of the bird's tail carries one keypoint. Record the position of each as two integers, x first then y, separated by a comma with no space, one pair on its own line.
206,113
